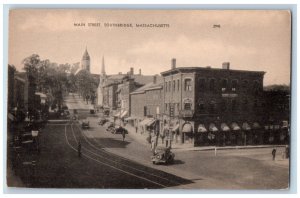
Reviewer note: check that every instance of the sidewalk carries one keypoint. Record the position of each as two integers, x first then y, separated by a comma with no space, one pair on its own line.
142,138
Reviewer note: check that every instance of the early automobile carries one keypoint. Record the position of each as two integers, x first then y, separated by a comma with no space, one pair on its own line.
109,126
102,121
85,124
163,155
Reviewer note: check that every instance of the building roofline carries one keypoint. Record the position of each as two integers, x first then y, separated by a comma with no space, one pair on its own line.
182,69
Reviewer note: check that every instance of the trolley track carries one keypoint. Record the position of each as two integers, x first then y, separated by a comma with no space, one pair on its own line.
90,151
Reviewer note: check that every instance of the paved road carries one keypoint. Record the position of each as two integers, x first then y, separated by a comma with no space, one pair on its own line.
230,169
108,162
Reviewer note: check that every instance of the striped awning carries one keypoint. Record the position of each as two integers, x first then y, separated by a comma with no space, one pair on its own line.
212,127
117,114
152,121
246,126
176,127
235,126
201,128
145,121
123,114
187,128
225,127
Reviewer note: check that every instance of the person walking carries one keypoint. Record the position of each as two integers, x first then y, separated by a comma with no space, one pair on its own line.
79,149
123,134
274,153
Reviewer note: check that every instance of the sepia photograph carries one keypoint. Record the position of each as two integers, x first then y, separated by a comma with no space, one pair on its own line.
148,99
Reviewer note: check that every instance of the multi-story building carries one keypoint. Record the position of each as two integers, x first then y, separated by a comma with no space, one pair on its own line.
130,83
146,105
204,105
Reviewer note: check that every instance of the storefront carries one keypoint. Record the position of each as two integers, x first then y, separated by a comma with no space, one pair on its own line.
187,133
248,134
236,135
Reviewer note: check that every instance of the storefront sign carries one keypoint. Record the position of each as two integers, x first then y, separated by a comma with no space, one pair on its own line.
229,95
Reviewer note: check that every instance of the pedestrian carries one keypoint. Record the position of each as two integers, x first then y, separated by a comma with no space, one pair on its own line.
123,133
79,149
274,153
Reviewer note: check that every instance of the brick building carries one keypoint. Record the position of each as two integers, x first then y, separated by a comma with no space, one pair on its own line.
212,106
146,106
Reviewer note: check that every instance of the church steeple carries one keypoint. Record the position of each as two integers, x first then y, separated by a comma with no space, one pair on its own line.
85,62
103,67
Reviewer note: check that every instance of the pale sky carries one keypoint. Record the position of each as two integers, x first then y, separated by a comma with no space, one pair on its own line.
249,40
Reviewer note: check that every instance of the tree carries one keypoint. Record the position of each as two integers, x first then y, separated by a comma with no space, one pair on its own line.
31,66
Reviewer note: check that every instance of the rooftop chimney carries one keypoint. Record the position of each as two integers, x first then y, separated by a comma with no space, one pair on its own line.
225,65
173,63
140,71
154,79
131,71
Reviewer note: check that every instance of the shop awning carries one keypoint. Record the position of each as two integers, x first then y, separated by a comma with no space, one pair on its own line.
117,114
212,127
130,118
151,122
225,127
246,126
201,128
187,128
235,126
123,114
145,121
176,127
256,125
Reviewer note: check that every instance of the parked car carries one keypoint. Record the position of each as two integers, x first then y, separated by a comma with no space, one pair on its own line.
163,155
85,124
92,111
28,142
102,121
109,126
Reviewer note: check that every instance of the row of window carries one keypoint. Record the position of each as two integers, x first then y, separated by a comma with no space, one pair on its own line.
211,106
211,85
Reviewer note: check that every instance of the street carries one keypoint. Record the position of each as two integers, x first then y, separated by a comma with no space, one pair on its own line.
108,162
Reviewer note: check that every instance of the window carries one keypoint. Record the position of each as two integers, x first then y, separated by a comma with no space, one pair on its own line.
255,87
201,105
234,105
245,104
234,84
212,84
166,107
178,85
169,86
187,106
212,106
173,85
223,105
224,84
166,86
245,85
188,84
201,84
